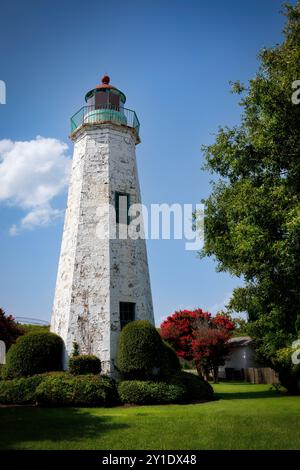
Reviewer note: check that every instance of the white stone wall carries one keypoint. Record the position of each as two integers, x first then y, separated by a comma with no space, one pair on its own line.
94,274
129,276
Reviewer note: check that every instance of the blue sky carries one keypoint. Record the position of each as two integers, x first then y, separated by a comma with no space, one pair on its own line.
173,60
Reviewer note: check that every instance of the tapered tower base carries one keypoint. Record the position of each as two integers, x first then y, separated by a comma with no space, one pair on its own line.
99,278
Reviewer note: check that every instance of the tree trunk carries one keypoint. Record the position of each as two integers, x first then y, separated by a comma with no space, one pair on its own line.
216,374
199,370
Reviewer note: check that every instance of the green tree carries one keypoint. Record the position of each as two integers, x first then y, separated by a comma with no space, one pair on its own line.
252,224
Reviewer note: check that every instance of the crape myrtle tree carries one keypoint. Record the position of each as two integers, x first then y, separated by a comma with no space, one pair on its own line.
9,329
210,347
252,217
197,336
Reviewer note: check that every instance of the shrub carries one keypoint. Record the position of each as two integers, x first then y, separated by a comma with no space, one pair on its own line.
182,387
187,365
149,392
19,391
140,351
67,390
196,389
289,373
171,362
75,351
84,364
33,354
290,379
29,328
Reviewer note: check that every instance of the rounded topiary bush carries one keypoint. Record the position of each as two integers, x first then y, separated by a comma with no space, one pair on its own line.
196,389
150,392
68,390
140,351
171,362
84,364
34,353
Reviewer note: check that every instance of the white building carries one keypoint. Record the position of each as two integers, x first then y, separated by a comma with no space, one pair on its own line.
241,357
241,364
102,282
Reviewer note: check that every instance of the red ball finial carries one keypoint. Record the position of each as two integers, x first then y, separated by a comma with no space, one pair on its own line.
105,79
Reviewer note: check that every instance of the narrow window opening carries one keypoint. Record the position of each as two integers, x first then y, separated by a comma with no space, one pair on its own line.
127,313
122,204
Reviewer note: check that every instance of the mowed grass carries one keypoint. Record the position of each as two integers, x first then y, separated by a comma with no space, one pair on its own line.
245,417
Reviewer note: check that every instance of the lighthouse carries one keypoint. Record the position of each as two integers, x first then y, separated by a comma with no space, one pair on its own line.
103,277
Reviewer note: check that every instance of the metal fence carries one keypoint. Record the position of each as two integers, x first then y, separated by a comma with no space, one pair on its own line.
31,321
105,113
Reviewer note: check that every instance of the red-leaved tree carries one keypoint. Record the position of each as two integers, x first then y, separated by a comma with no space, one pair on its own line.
197,335
210,347
9,329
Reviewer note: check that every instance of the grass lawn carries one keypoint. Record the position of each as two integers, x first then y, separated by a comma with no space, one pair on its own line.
246,417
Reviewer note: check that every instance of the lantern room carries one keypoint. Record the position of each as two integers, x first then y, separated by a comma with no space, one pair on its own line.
105,104
105,96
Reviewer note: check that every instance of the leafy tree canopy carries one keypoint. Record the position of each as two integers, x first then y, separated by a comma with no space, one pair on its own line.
197,335
252,225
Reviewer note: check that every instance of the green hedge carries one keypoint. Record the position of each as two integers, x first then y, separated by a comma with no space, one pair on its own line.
33,353
84,364
150,392
140,351
19,391
60,389
182,387
67,390
22,391
63,389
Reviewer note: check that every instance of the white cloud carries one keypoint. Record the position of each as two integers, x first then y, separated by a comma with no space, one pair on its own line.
13,231
32,173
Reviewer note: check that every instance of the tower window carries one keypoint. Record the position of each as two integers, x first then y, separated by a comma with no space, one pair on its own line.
127,313
101,99
122,202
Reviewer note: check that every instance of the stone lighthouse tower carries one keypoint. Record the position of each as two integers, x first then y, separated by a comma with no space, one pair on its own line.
103,278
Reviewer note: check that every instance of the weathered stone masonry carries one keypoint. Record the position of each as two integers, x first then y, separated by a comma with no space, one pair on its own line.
95,275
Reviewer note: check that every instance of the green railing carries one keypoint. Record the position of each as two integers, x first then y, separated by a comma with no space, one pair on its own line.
105,113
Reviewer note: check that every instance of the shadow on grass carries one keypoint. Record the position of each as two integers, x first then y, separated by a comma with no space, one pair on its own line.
247,395
30,424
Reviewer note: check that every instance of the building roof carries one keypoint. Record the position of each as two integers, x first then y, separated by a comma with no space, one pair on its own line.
238,341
